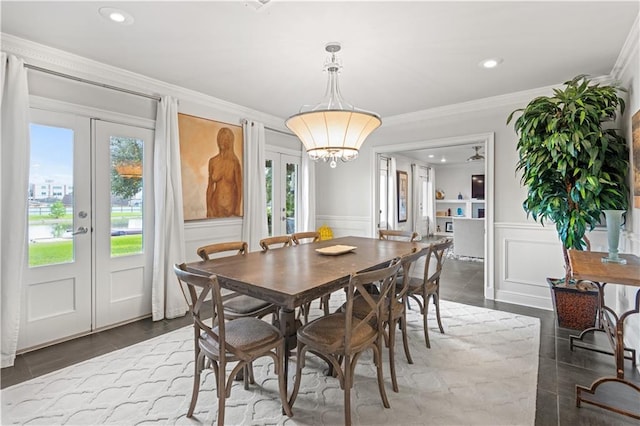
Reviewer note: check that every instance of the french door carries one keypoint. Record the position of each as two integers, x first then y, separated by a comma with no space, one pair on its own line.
90,212
424,207
282,172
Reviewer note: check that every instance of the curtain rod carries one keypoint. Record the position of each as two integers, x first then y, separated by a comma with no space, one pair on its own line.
244,120
95,83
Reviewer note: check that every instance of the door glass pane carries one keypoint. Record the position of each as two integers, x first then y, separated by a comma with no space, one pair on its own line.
126,195
268,172
50,195
292,197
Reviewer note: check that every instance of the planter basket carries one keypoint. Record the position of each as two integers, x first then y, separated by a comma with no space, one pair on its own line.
575,309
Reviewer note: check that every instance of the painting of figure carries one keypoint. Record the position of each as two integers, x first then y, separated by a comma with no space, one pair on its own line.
212,168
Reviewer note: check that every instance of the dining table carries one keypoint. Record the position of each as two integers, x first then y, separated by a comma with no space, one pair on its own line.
290,277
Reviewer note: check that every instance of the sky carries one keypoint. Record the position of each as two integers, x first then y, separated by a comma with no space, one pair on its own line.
51,154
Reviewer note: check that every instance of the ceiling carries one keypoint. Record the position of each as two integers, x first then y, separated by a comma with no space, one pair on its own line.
398,57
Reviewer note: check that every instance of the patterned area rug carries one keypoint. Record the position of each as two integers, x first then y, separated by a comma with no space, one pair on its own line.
483,371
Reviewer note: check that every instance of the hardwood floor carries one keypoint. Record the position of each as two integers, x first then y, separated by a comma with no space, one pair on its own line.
560,369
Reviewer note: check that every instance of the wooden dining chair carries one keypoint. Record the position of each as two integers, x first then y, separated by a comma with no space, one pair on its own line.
239,341
310,237
340,338
392,234
277,241
305,237
428,286
397,302
238,305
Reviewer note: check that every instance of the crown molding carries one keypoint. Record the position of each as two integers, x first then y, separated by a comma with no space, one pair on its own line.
69,63
628,52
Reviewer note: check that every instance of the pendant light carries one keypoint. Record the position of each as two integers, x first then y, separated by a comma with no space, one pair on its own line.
476,156
333,129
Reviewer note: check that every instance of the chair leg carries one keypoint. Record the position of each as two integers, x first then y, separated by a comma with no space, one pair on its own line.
222,394
377,359
436,301
282,385
347,390
196,381
424,320
405,337
299,363
392,355
325,304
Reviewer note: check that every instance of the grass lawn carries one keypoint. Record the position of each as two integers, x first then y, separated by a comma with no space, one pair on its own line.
62,251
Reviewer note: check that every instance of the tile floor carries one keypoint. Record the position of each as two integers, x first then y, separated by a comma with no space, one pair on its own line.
560,368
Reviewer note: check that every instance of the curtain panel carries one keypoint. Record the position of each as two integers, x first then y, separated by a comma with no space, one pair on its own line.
14,180
167,300
254,223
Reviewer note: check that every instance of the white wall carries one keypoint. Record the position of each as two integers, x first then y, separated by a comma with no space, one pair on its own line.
456,178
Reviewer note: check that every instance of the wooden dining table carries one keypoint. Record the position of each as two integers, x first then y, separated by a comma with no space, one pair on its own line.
289,277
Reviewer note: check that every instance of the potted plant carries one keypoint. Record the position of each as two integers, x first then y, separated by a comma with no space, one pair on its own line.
574,165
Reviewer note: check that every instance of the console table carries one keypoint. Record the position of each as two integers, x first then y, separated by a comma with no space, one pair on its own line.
588,266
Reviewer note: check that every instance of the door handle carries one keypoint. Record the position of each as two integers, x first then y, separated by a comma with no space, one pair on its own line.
80,230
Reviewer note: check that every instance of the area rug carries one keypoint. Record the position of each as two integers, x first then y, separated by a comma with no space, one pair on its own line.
482,371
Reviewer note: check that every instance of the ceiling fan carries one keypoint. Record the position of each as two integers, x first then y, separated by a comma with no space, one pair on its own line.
476,156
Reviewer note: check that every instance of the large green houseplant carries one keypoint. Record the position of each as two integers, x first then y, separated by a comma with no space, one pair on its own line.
573,163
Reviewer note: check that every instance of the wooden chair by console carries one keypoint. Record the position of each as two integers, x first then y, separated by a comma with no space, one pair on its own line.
310,237
270,242
341,337
392,234
242,341
429,285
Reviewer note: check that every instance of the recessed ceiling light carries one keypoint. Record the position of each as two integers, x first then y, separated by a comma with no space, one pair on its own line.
443,160
118,16
490,63
431,155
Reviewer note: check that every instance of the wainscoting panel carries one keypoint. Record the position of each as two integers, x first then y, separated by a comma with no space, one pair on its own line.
201,233
342,226
525,256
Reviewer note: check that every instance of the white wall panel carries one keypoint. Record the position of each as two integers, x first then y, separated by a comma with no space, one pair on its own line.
343,226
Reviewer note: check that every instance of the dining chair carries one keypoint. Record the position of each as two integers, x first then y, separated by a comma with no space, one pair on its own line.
270,242
304,237
392,234
310,237
397,302
428,286
340,338
238,305
240,341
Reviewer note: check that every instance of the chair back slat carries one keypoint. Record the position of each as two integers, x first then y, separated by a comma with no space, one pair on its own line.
298,237
205,252
281,240
392,234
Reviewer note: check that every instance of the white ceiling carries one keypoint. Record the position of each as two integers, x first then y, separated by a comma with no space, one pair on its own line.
398,57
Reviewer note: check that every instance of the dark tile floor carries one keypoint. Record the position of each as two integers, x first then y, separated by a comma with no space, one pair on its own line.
560,369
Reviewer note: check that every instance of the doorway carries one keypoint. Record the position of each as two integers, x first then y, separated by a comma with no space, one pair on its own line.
282,175
90,236
487,141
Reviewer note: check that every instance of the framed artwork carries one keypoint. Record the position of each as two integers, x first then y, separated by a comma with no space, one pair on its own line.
403,190
448,226
635,148
211,155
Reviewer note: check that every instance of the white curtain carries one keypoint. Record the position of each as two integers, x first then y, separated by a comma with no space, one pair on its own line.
392,194
308,194
254,223
14,181
168,248
431,196
416,214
